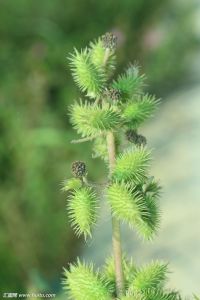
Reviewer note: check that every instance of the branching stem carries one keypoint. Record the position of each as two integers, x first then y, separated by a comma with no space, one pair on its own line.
116,235
86,139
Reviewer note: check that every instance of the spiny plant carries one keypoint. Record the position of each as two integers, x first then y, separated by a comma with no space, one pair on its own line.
110,117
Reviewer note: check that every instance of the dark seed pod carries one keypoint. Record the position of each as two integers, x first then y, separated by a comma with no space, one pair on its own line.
141,140
135,138
78,168
112,94
131,135
109,41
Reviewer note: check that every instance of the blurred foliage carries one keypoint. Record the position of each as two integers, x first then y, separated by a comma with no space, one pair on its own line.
35,90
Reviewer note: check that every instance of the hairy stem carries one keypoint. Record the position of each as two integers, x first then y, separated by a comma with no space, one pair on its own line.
116,235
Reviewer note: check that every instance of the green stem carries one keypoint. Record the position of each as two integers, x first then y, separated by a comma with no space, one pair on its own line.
86,139
116,235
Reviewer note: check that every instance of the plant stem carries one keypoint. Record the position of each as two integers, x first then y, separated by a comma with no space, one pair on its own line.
116,235
107,53
87,139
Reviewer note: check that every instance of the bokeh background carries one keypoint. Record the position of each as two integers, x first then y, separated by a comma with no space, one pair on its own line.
36,89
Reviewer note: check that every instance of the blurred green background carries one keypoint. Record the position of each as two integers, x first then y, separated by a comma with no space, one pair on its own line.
36,89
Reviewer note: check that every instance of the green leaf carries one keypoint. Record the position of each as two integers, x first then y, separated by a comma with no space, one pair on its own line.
87,76
82,209
151,276
98,53
83,283
91,120
132,165
130,83
135,113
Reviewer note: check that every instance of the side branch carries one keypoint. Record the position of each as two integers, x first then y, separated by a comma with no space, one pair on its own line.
87,139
